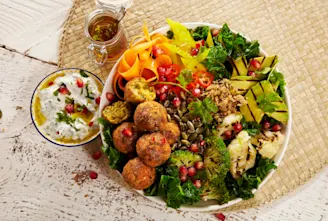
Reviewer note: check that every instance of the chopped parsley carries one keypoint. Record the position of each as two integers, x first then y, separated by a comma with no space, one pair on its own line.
64,117
265,102
56,93
185,77
88,93
203,109
69,100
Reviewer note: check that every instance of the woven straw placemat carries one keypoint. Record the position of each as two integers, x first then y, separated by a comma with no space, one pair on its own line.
295,30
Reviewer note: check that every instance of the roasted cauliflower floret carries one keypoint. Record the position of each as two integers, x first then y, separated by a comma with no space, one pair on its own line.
228,122
268,143
242,154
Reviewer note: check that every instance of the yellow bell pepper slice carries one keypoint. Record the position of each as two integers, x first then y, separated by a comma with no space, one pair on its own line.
181,34
209,39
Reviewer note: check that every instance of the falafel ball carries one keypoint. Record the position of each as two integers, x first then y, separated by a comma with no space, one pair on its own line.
138,175
171,132
153,149
125,137
150,116
138,90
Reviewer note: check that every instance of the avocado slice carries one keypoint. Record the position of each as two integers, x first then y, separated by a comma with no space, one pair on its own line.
269,61
239,67
251,111
242,86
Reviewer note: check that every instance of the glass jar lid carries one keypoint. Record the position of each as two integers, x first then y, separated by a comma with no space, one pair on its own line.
115,5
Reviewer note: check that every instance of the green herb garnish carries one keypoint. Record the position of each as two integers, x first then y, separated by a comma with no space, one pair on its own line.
88,93
278,78
185,77
69,100
56,93
265,101
64,117
203,109
200,33
252,128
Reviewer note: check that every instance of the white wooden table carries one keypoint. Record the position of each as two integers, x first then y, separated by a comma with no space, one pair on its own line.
36,176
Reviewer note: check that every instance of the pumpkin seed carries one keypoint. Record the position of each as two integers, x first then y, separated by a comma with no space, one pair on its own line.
207,132
176,117
184,109
190,125
184,135
169,118
185,142
184,119
183,148
180,113
169,110
198,124
174,146
193,137
191,131
182,95
199,130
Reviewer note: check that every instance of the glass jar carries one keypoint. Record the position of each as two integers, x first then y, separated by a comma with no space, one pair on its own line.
109,50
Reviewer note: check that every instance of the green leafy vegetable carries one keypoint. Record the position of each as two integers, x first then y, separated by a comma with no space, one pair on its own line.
69,100
203,109
64,117
250,180
83,74
88,93
253,128
200,33
117,160
185,77
215,62
227,38
278,78
252,49
265,101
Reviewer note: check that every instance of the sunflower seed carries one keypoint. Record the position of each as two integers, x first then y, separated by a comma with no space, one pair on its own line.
169,118
193,137
184,135
184,110
176,117
166,103
184,104
169,110
190,125
174,146
185,142
199,130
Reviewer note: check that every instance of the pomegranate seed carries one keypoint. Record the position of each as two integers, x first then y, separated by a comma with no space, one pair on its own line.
163,89
127,132
163,97
161,70
63,90
176,102
57,132
194,148
194,51
237,127
69,108
162,78
96,155
85,110
202,143
50,83
183,178
93,175
153,138
110,97
79,82
215,32
276,128
199,165
197,45
251,73
158,93
202,42
220,216
227,134
157,51
191,171
256,64
197,183
90,123
196,92
164,140
183,171
97,100
266,125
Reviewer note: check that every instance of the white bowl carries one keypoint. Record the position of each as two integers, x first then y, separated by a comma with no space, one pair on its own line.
35,93
203,205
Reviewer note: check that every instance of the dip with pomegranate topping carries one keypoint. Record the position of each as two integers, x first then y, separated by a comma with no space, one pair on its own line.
65,106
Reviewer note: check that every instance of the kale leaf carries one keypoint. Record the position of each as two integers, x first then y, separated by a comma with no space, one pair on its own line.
252,128
215,62
200,33
250,180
